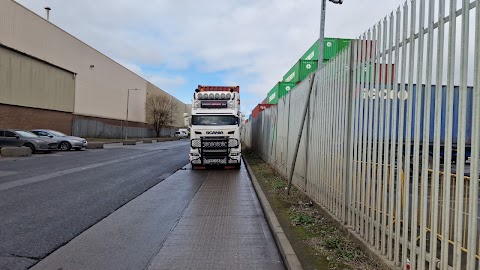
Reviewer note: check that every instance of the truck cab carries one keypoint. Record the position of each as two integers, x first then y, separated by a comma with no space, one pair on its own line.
215,125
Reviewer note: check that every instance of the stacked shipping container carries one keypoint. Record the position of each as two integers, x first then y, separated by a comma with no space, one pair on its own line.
307,64
281,89
300,71
260,108
331,47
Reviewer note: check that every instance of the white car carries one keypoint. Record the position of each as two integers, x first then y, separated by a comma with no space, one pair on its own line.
182,134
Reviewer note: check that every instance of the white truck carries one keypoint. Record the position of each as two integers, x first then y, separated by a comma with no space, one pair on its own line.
215,127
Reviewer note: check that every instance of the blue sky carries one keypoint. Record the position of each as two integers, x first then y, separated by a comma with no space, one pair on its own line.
179,44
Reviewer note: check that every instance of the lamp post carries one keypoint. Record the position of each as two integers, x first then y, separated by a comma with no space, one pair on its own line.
322,30
126,120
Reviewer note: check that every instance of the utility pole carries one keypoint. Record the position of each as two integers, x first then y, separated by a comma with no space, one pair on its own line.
321,39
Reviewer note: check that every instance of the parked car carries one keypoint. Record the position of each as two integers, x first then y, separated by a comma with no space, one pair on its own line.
17,138
65,142
182,134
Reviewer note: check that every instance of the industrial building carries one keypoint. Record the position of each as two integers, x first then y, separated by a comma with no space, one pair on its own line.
50,79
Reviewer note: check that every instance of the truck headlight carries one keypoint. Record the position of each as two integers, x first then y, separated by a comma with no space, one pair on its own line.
233,143
230,104
196,104
196,143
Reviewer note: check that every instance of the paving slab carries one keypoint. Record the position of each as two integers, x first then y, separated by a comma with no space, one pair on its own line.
222,228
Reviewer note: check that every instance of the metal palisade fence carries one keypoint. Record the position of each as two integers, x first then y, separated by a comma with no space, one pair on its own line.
390,144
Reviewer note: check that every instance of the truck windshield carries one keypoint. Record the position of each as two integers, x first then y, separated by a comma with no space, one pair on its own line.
214,120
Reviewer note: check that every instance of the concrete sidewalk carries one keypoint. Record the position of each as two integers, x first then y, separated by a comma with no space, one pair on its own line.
191,220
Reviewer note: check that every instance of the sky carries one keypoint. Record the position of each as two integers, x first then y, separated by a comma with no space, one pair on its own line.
180,44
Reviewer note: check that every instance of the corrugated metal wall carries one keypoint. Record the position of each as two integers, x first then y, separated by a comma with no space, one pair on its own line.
25,81
92,128
396,157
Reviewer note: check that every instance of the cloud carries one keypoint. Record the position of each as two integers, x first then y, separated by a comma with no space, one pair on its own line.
164,81
169,82
252,42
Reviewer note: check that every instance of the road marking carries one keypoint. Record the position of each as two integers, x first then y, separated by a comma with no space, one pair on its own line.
7,173
39,178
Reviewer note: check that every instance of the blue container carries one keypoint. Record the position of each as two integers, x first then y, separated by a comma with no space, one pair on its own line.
402,96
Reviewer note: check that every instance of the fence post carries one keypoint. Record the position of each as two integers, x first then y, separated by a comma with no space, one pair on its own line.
349,138
288,133
307,145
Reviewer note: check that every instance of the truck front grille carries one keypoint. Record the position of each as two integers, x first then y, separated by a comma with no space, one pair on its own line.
215,143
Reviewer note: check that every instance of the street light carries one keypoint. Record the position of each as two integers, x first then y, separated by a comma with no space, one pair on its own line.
128,97
322,30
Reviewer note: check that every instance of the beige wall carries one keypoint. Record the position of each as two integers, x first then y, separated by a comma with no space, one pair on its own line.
25,81
101,90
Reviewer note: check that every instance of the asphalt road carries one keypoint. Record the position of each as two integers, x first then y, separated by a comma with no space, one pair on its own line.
48,199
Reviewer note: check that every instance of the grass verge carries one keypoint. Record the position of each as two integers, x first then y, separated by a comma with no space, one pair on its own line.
315,238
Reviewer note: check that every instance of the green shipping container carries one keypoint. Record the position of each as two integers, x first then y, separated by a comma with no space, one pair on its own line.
284,88
300,71
280,90
272,96
331,48
343,43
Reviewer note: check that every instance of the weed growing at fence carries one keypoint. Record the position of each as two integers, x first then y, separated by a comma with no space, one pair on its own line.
315,239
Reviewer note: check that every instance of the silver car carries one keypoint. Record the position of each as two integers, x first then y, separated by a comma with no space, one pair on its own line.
17,138
65,142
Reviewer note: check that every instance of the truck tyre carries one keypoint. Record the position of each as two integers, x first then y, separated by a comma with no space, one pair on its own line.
238,166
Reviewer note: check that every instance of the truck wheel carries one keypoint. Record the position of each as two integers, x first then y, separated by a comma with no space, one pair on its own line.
238,166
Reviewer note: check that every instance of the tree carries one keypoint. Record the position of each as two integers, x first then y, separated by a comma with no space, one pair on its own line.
160,111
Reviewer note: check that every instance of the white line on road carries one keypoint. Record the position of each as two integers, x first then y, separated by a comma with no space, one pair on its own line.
39,178
7,173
